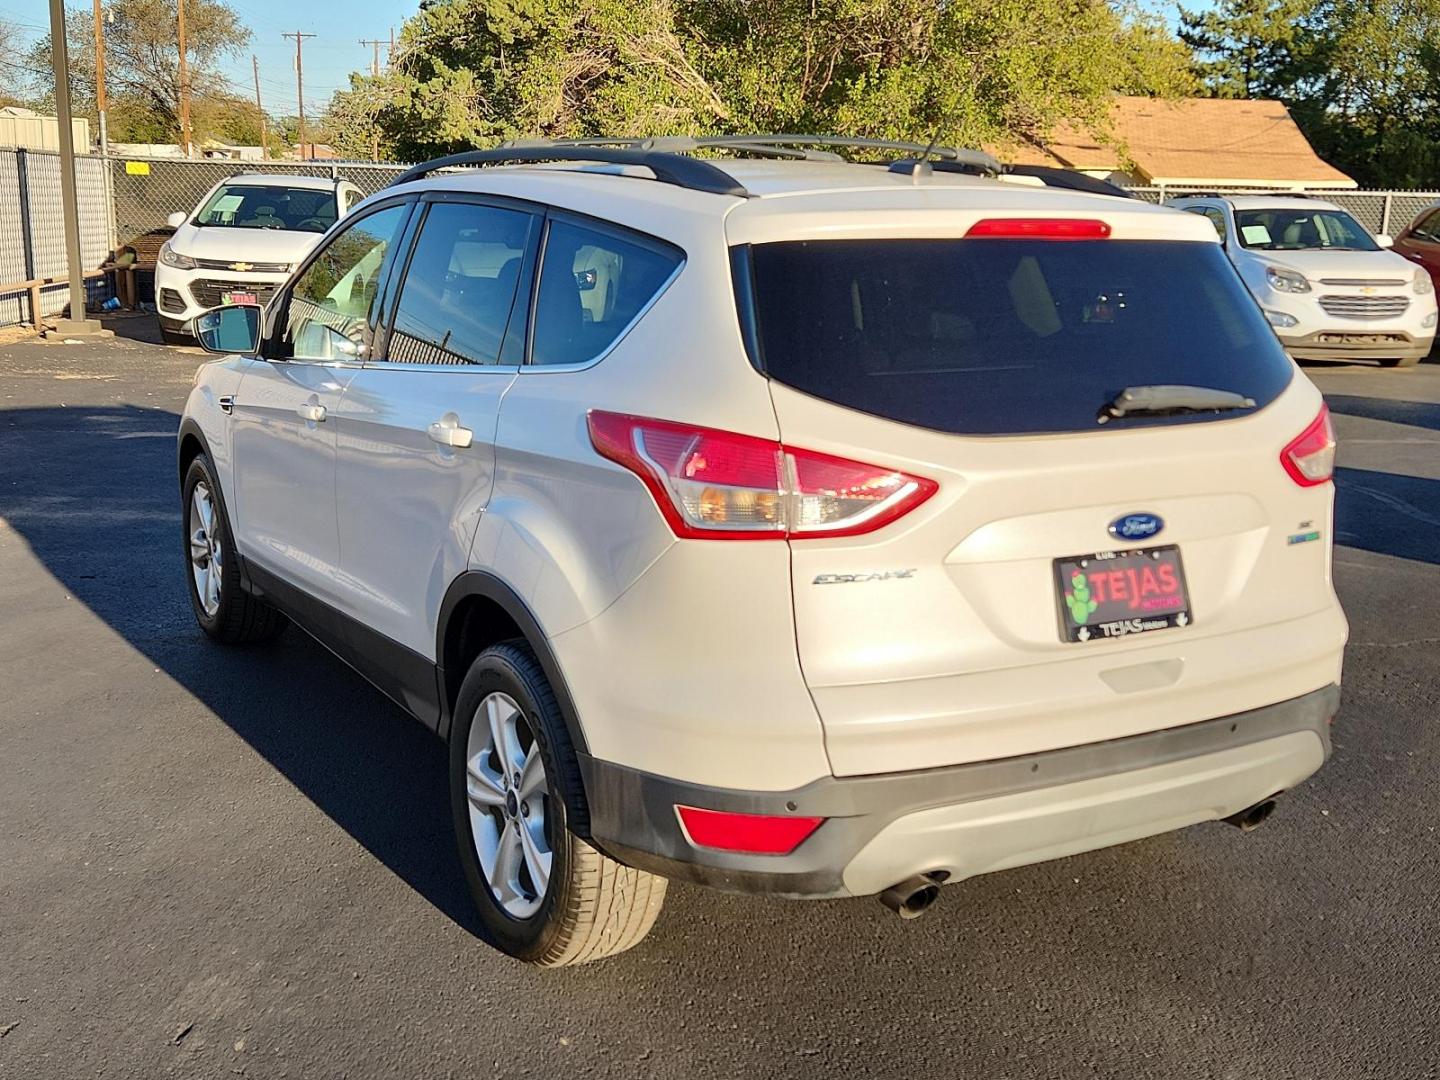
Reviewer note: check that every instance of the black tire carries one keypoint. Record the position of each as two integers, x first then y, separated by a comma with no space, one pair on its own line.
1400,361
174,337
238,617
593,906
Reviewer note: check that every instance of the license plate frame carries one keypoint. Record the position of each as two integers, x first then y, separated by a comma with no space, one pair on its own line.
240,298
1166,608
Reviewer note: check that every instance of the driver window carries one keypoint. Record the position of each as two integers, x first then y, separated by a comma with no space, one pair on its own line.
330,303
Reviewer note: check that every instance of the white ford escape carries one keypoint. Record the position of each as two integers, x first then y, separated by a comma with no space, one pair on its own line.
787,526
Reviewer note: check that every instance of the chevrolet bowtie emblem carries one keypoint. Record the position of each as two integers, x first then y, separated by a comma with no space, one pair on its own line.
241,267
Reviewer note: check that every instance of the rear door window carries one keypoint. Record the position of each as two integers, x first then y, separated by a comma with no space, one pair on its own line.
594,283
1000,337
460,286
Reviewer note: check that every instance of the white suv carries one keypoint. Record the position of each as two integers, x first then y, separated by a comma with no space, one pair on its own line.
1330,289
788,526
241,243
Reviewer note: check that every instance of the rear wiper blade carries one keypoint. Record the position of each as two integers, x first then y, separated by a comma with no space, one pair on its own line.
1159,400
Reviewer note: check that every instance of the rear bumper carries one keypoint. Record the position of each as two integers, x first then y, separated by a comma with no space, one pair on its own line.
974,818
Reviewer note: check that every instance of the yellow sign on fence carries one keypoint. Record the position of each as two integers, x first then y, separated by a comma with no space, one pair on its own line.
137,168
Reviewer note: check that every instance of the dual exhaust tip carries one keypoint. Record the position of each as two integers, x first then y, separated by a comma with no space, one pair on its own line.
914,896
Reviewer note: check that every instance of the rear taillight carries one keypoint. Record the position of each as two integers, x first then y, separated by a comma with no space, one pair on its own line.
1040,229
716,485
1309,458
753,834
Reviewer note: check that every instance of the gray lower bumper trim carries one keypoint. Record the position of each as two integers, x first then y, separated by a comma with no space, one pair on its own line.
632,813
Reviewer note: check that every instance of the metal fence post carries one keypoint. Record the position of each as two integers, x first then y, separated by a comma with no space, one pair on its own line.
1385,214
22,173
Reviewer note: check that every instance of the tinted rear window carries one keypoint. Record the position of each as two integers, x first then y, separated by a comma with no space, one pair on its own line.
999,337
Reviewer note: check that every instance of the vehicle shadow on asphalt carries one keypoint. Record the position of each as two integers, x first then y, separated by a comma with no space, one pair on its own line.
93,491
1388,513
1421,414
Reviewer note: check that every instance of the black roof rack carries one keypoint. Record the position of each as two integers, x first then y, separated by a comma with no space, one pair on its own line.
794,146
669,168
668,157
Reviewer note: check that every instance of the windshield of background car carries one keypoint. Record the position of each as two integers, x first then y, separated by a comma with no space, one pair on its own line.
263,206
1302,230
1000,337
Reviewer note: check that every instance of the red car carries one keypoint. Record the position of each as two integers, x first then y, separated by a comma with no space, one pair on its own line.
1420,241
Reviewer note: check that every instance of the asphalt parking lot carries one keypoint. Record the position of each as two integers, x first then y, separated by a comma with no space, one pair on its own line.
239,862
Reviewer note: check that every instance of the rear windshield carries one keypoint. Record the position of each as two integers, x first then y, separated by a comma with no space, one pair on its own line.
1000,337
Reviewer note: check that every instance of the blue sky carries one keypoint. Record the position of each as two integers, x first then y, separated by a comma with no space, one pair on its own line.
330,56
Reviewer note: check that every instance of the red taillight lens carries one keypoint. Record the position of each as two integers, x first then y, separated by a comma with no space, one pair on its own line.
754,834
1309,458
1040,229
716,485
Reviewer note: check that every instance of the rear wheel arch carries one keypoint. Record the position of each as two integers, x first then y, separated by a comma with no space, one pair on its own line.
480,610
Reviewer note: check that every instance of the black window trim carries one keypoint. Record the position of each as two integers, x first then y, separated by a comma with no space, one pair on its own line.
619,232
393,285
279,307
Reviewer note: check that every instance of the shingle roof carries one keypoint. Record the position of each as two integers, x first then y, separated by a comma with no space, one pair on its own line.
1191,141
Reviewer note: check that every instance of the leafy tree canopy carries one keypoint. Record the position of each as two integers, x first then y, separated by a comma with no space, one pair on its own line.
471,72
142,69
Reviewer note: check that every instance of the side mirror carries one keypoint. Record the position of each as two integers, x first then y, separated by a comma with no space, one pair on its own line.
1385,240
175,220
228,330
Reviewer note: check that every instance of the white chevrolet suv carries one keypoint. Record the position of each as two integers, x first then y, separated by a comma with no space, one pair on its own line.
794,527
241,243
1330,289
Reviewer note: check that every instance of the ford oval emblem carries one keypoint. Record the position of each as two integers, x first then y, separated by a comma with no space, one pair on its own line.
1136,526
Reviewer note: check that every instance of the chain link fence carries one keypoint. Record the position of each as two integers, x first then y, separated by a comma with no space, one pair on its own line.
32,230
1385,212
147,191
126,201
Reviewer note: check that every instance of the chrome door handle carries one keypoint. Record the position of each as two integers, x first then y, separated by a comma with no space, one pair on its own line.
314,413
451,434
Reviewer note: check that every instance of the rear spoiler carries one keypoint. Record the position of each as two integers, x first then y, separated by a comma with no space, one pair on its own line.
1063,178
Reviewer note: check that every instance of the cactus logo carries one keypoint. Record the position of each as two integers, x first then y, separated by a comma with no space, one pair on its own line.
1078,599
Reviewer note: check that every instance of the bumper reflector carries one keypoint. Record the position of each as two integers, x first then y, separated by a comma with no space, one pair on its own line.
753,834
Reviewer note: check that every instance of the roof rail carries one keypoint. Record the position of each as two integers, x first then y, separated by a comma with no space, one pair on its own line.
792,145
669,168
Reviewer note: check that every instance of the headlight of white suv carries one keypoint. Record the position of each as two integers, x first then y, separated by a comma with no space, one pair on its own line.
170,257
1423,284
1286,280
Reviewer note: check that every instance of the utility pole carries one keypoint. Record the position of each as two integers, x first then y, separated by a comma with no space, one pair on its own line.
375,60
184,86
300,86
77,325
100,78
259,108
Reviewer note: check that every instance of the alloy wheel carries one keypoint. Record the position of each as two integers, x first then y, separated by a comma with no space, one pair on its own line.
508,796
207,554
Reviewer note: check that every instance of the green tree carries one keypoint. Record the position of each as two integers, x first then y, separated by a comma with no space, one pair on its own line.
142,66
1361,77
470,72
1376,106
14,75
1255,48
